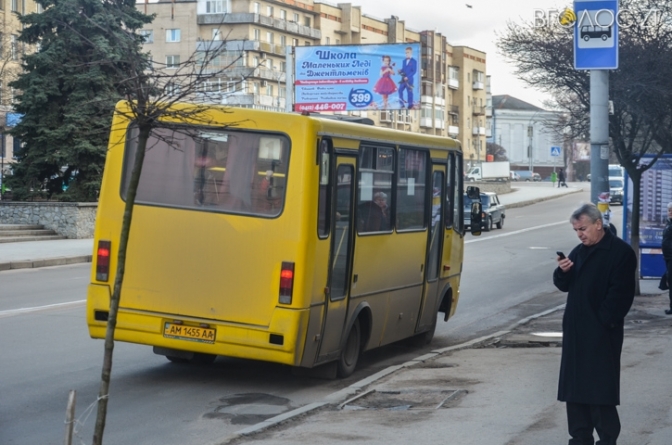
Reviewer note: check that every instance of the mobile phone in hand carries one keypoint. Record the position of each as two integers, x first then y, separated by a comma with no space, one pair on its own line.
561,255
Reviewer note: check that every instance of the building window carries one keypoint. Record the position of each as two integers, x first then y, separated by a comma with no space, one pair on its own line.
172,61
296,16
306,21
295,42
338,41
283,14
269,11
147,35
216,34
255,61
15,5
257,34
269,37
269,89
255,87
283,67
172,89
172,35
215,7
307,43
257,8
283,41
327,40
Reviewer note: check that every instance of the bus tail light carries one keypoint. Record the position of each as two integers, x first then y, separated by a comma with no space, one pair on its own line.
103,260
286,282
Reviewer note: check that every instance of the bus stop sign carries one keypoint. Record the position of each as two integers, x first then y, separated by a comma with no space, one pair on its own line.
596,35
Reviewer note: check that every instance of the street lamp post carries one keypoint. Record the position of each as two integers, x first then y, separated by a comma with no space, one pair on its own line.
2,165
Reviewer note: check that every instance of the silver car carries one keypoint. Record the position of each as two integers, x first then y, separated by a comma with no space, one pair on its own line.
493,211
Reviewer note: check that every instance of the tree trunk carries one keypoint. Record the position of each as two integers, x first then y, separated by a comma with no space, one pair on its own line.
103,395
634,226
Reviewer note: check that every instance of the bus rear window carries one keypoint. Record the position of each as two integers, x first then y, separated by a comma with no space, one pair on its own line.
206,169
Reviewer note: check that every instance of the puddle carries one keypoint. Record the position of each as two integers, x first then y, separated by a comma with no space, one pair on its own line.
249,408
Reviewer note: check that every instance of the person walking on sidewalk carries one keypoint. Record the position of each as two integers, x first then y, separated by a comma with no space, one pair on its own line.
599,277
667,252
561,178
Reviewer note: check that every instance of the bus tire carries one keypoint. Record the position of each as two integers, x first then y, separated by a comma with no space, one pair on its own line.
347,360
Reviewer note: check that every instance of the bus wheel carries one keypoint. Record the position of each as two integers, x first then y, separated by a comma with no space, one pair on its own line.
347,361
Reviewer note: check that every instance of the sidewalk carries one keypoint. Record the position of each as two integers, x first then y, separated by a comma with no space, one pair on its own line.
29,254
499,390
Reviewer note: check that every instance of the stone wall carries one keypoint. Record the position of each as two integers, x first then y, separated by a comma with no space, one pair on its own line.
499,187
70,219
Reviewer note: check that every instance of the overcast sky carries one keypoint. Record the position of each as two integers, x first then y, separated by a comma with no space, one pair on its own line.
475,27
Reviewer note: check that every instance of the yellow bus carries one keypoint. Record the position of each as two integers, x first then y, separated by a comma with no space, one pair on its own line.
286,238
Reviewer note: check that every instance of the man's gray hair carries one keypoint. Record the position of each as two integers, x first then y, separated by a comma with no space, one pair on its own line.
589,210
669,205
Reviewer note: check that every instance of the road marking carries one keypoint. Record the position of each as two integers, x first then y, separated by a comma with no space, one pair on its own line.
27,310
529,229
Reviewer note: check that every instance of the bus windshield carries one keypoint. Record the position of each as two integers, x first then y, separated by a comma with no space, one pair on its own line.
221,171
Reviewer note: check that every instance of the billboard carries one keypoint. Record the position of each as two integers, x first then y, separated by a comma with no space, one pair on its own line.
655,194
357,77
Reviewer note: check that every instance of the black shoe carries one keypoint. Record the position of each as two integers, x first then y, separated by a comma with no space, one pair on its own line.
668,311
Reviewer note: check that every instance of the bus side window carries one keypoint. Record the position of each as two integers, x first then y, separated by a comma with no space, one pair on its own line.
374,204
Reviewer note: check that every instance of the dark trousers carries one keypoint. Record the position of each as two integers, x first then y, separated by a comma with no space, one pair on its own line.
582,419
669,278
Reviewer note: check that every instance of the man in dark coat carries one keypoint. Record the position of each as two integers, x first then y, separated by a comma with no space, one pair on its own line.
667,252
599,276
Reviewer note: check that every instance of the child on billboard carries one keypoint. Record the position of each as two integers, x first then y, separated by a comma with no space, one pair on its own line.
385,85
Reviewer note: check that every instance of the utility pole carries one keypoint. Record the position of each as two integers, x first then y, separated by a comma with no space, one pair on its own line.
599,133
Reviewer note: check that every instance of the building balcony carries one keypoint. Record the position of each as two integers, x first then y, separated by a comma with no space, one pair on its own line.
454,109
425,99
453,84
439,101
488,132
478,131
426,122
249,100
478,111
228,45
453,131
478,85
488,112
439,124
248,18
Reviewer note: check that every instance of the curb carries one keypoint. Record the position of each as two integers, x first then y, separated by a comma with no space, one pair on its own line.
544,198
47,262
340,397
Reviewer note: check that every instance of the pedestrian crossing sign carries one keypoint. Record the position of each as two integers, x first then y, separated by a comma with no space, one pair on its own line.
555,150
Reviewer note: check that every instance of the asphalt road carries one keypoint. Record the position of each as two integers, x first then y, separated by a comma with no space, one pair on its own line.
47,350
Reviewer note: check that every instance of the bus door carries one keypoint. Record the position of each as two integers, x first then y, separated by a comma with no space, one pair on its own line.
434,246
340,258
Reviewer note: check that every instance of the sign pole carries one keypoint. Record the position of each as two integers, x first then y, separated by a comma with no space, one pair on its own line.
599,134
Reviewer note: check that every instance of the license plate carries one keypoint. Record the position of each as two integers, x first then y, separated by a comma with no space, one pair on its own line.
191,333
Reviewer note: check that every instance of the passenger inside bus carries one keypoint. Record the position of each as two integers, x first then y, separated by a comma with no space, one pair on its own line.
374,216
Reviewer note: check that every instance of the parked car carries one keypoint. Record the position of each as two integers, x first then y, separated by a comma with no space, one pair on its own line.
526,175
616,190
514,176
493,211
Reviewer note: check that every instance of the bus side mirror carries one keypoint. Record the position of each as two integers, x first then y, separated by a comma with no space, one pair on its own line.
476,217
473,193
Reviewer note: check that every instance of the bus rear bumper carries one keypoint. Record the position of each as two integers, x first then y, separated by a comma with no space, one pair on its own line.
281,341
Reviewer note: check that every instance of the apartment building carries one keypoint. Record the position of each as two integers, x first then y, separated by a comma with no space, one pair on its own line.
256,33
11,51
